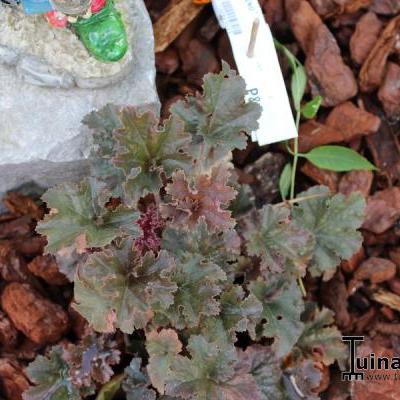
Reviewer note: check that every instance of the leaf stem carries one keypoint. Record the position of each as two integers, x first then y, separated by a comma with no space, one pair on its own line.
293,180
289,150
303,198
302,288
295,156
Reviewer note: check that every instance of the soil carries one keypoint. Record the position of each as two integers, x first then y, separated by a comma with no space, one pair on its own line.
351,50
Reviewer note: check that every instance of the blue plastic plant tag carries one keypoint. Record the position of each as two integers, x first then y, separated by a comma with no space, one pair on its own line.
36,6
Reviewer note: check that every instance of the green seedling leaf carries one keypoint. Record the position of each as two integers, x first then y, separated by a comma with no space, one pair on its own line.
298,84
117,289
51,378
283,246
146,150
338,158
285,181
282,307
333,221
310,109
299,76
80,219
218,118
110,389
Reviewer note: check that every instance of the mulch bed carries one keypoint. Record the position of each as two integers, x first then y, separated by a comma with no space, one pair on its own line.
351,51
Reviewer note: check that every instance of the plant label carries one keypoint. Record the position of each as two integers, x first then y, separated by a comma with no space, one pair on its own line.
257,61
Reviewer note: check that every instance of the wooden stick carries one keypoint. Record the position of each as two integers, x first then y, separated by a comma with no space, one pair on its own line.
179,14
253,38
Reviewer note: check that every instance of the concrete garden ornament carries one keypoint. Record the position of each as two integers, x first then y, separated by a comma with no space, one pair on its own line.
96,22
83,42
60,60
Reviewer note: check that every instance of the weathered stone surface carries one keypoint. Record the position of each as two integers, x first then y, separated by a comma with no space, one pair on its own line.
41,137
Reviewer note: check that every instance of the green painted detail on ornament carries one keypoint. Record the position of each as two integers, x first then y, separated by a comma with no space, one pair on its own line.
103,34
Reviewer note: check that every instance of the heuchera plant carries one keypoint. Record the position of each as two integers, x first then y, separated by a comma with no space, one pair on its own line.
157,253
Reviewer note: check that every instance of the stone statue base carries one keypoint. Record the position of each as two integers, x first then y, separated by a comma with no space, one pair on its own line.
40,126
47,56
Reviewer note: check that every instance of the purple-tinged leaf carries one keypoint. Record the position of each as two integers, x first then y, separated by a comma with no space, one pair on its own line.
222,249
137,384
118,289
145,151
302,380
218,118
321,339
282,307
333,220
90,361
203,265
263,364
51,378
240,313
210,373
205,199
79,218
102,124
282,246
162,347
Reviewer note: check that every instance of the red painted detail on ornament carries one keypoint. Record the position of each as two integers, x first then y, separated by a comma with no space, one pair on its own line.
56,19
97,5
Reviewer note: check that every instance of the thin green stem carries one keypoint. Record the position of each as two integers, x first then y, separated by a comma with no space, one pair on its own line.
295,157
293,180
300,199
289,150
295,65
